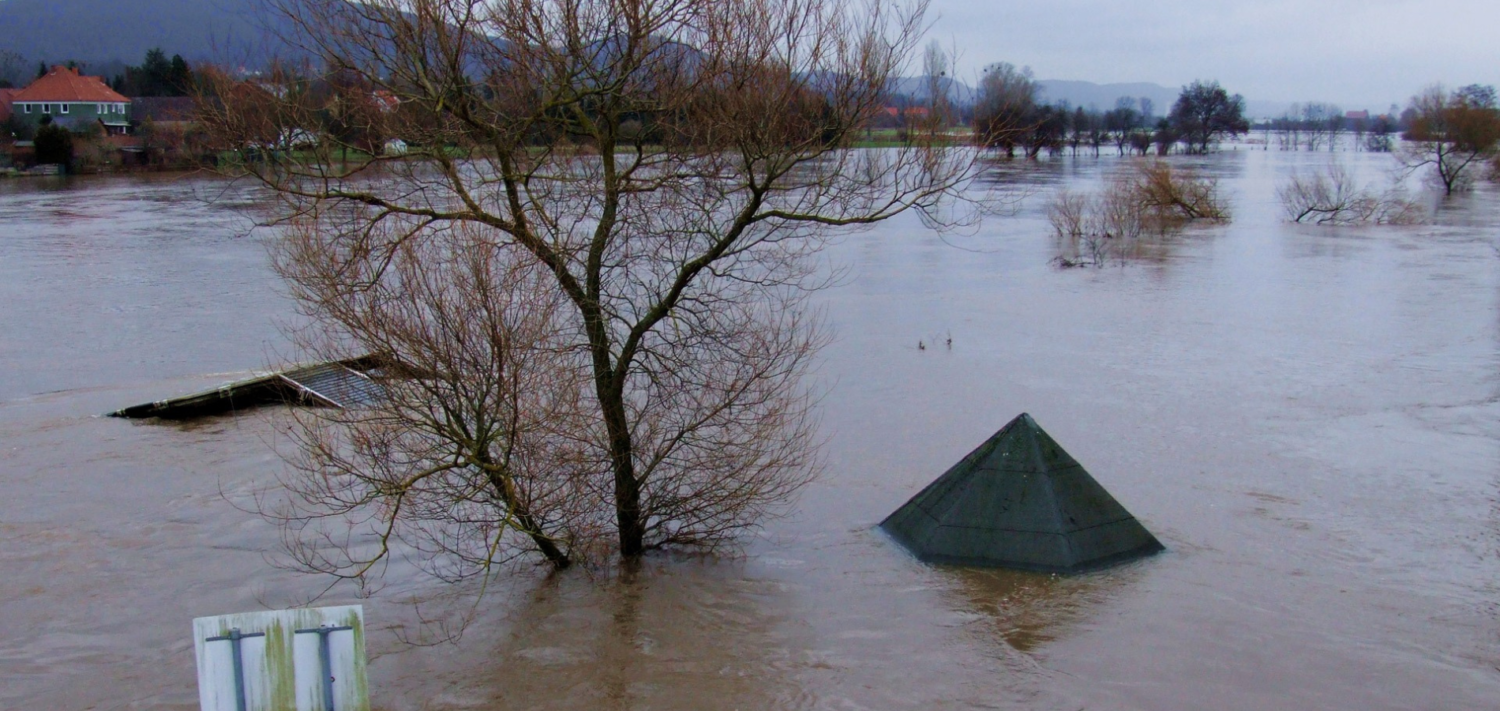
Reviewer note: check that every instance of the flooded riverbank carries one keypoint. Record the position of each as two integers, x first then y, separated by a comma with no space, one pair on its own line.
1308,418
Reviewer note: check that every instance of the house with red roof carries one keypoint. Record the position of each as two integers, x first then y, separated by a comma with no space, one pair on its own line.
72,100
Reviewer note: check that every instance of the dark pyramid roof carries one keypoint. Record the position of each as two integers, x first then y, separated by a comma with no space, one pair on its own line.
1019,501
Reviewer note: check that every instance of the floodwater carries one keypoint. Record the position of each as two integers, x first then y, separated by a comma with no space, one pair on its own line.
1308,418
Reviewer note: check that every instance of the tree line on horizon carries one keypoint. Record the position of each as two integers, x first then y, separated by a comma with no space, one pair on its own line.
1009,117
156,75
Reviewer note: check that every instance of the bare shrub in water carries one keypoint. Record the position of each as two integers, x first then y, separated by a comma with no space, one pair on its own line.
601,234
1152,198
1332,197
1172,197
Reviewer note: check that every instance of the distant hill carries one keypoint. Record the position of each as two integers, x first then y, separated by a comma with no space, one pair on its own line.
915,89
99,32
105,35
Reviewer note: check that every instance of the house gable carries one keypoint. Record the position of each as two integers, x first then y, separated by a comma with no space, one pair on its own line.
72,99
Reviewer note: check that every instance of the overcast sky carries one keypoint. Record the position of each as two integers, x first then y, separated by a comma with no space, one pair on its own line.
1358,54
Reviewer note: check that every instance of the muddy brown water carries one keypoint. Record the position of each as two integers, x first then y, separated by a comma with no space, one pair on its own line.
1308,418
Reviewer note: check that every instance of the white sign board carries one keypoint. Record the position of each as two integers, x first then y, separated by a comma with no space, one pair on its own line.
283,660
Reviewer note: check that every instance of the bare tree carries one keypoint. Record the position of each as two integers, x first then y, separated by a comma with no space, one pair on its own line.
1451,133
1005,108
1205,113
1332,197
1122,121
13,69
1359,126
1336,125
472,455
658,176
1151,198
1379,138
1320,125
1288,129
1099,227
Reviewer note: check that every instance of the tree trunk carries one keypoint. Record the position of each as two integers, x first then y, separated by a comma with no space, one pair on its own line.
522,513
632,528
609,387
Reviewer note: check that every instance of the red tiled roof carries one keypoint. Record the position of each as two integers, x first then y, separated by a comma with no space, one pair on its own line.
64,84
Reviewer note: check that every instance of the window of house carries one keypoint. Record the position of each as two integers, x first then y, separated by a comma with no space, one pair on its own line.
46,108
64,107
99,109
28,108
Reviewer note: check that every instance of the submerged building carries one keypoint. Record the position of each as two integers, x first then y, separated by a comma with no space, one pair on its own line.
1020,501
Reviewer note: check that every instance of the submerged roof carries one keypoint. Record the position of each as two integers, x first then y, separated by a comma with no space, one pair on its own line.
1019,501
63,84
345,383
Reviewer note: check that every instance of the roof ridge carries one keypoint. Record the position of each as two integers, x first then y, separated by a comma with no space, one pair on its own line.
1053,504
67,85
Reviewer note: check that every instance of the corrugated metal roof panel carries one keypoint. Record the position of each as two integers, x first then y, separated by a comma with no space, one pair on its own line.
341,386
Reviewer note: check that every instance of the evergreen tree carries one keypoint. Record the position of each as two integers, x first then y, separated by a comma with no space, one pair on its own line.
179,77
156,73
157,76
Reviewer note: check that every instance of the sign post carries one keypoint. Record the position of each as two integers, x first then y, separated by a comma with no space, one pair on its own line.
234,638
284,660
325,661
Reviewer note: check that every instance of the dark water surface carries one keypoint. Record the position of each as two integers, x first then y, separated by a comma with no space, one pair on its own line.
1308,418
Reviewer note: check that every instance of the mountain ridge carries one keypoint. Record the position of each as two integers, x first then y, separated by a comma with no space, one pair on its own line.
97,32
105,35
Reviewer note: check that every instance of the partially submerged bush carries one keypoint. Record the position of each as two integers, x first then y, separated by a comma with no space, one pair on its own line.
1096,226
1152,199
1176,196
1332,197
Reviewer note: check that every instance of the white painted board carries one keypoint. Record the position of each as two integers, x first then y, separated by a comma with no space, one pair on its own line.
283,669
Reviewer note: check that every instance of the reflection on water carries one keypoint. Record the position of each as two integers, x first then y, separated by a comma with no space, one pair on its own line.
640,639
1028,610
1306,417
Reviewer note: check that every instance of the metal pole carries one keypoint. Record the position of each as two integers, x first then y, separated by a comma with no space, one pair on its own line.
325,660
234,638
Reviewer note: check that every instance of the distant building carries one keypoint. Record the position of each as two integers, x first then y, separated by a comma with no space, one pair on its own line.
385,101
899,116
72,100
1357,115
897,112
